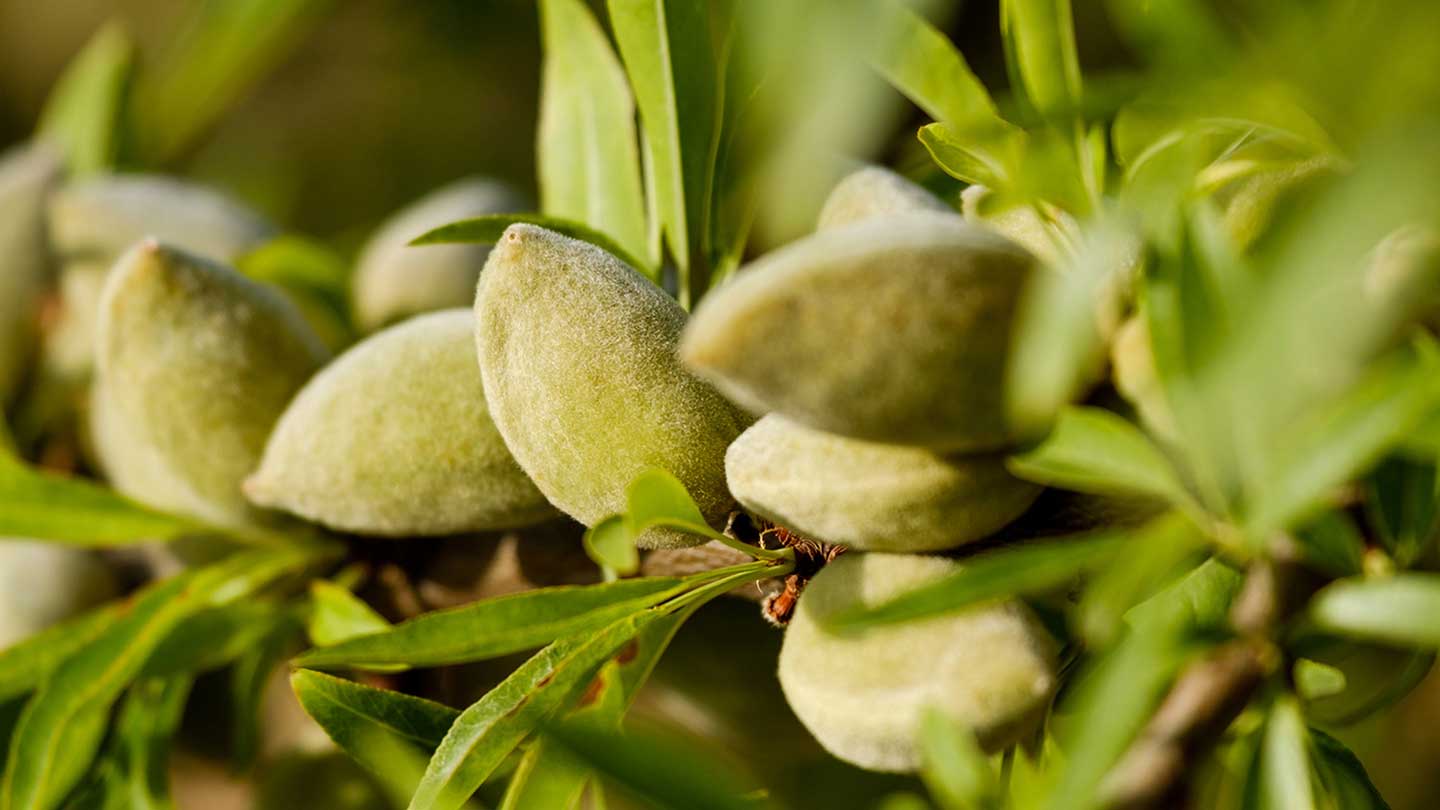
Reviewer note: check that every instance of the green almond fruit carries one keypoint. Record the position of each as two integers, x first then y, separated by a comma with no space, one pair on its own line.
991,669
1021,224
1132,363
578,356
869,496
394,438
102,217
195,364
874,191
45,583
69,348
26,175
394,280
895,329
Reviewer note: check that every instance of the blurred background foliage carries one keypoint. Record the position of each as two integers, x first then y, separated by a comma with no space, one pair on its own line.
383,100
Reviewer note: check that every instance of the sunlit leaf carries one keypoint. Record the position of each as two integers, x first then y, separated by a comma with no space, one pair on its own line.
1040,39
586,150
494,627
922,63
490,729
23,666
1316,680
668,50
611,544
1400,609
1096,451
1153,555
956,771
49,506
83,117
338,615
1018,570
1285,759
223,51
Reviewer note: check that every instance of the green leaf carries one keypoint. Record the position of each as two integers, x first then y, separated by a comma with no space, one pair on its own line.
488,230
1344,436
338,615
148,722
657,498
1399,610
1198,603
492,727
1153,555
224,50
1402,507
63,724
962,157
549,777
668,50
1059,350
248,681
312,275
495,627
1343,775
1108,705
389,733
1314,680
26,665
1017,570
663,772
214,637
1285,759
48,506
956,771
1095,451
85,112
921,62
1040,40
587,155
1332,544
611,544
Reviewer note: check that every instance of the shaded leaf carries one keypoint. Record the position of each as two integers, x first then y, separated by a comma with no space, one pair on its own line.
587,153
1347,785
370,724
63,724
661,771
1153,555
488,230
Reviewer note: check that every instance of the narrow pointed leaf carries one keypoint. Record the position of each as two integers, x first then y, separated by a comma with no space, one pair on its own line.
488,229
668,52
1401,609
491,728
588,155
1018,570
495,627
84,113
1096,451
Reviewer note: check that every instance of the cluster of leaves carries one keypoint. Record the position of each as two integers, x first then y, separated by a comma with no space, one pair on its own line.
1297,421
